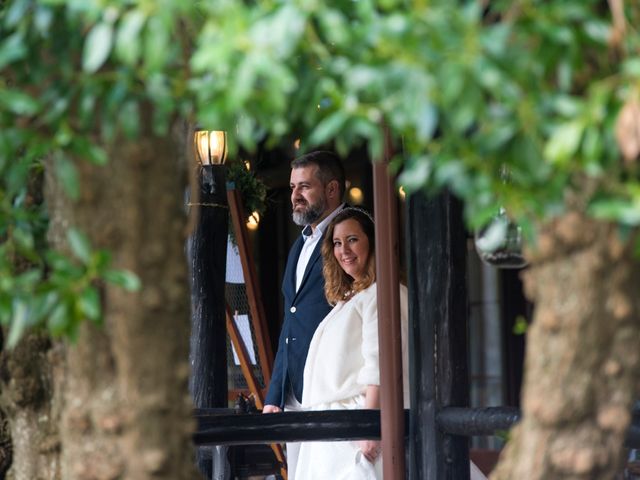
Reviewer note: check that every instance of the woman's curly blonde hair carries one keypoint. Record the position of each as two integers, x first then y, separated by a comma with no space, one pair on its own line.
337,284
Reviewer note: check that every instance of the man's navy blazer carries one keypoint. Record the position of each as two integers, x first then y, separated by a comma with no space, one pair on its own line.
303,312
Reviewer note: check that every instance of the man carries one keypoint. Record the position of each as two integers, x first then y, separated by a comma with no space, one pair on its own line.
317,187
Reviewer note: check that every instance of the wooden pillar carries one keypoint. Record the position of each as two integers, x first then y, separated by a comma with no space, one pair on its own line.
389,339
436,256
207,254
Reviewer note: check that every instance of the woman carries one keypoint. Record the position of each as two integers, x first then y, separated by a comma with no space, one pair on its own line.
342,369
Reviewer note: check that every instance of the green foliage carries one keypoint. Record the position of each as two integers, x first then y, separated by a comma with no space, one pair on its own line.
520,326
252,190
59,291
467,91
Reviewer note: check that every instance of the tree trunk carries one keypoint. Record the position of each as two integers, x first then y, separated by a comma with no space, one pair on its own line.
127,412
6,448
33,413
582,362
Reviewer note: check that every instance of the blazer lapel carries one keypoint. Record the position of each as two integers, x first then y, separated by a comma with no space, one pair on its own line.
289,281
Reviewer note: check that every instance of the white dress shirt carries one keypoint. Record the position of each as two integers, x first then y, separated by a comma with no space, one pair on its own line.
310,242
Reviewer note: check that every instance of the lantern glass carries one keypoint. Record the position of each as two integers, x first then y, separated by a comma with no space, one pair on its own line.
211,146
499,244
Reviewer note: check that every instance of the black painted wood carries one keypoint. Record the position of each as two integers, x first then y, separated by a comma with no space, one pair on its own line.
207,255
225,426
477,421
327,425
436,255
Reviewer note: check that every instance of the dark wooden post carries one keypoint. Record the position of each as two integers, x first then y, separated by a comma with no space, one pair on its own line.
207,253
436,255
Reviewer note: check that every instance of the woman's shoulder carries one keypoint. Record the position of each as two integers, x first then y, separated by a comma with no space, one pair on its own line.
370,293
366,295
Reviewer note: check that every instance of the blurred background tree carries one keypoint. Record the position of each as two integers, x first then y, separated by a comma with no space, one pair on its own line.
527,106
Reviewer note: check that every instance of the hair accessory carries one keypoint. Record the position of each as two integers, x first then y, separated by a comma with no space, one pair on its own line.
358,209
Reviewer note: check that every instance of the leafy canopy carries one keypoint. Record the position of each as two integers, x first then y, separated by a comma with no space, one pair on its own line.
507,103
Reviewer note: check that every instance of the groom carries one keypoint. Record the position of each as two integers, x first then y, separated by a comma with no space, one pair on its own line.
317,187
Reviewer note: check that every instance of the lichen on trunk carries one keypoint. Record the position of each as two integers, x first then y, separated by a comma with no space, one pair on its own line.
582,363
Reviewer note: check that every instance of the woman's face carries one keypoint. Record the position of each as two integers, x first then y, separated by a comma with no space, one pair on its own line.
351,247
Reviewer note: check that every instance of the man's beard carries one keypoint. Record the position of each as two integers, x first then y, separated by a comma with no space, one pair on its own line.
310,214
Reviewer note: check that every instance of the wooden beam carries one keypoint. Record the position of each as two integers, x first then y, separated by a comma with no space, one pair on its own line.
389,322
438,335
207,247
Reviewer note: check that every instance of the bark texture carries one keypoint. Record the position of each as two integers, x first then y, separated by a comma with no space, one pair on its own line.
6,448
28,399
127,411
582,362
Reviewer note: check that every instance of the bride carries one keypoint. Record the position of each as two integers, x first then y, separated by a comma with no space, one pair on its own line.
342,369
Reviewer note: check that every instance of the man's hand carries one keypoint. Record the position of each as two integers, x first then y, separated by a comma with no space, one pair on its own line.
271,409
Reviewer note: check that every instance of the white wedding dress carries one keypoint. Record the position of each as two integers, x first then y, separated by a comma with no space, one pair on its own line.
342,361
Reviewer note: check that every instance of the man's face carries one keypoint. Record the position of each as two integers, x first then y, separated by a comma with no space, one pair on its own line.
308,195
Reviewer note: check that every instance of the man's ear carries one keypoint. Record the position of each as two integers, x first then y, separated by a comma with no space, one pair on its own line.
332,189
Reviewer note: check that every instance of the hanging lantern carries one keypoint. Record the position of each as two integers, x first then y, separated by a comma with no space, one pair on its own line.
499,244
210,146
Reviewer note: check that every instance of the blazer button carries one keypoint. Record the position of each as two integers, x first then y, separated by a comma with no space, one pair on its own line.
286,340
292,309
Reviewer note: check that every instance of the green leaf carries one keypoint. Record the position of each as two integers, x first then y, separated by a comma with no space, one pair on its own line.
68,176
617,209
18,102
80,245
97,47
27,280
129,119
12,49
128,39
101,260
328,127
5,310
42,305
520,326
16,12
57,261
427,122
564,142
23,239
416,174
89,151
89,304
123,278
59,319
18,322
598,31
156,44
42,19
631,67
